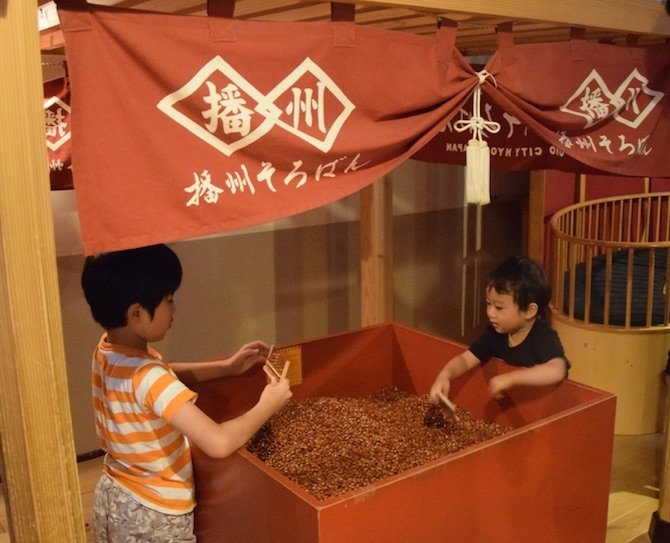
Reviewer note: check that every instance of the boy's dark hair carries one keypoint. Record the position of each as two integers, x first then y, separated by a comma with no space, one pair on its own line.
113,281
524,279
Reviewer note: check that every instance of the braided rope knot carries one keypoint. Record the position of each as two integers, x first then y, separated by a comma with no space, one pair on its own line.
476,123
477,170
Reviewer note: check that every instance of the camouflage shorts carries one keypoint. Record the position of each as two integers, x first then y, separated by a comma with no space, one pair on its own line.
119,518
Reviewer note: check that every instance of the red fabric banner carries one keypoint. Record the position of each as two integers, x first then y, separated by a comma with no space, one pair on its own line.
188,125
575,106
57,131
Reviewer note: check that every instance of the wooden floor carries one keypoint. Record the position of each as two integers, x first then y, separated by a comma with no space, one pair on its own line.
636,478
634,489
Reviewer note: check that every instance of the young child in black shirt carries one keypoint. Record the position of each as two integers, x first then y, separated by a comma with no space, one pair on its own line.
517,297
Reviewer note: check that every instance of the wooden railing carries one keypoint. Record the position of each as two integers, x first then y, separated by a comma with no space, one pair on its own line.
609,262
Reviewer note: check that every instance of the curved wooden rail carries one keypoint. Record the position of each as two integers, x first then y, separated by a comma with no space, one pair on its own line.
609,262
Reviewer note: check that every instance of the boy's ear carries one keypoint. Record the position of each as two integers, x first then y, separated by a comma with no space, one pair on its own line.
134,312
531,312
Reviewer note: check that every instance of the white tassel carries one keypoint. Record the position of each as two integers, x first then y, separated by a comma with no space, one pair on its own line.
477,173
477,157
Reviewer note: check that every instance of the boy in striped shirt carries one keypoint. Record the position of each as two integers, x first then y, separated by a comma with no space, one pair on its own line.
145,416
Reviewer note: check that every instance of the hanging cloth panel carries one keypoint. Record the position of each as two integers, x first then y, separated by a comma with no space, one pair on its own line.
188,125
58,133
603,105
573,106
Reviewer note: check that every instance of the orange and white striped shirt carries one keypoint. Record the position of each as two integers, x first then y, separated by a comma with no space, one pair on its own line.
135,395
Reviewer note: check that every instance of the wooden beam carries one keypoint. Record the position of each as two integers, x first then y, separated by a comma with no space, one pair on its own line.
376,224
633,16
52,39
41,484
639,17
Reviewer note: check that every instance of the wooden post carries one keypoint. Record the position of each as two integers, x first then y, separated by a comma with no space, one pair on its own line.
376,212
580,187
536,228
40,477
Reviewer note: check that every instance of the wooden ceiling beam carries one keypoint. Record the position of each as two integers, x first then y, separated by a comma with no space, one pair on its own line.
646,18
633,16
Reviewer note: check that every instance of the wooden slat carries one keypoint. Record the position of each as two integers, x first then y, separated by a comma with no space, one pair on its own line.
650,286
587,286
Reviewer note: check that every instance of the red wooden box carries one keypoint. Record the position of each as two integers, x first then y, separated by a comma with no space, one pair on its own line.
545,481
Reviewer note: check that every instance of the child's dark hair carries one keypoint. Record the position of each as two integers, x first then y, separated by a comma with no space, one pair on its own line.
113,281
524,280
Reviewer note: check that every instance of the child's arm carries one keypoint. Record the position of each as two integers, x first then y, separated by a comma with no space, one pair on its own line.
456,367
219,440
548,373
247,356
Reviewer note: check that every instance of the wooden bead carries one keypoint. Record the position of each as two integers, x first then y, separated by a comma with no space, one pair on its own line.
330,446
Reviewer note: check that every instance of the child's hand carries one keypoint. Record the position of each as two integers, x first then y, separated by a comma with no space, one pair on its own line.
456,367
276,394
440,386
247,356
500,384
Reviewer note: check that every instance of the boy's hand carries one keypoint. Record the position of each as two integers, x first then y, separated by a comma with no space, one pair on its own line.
456,367
276,394
500,384
440,386
247,356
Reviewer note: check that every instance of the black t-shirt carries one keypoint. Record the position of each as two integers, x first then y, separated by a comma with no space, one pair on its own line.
541,345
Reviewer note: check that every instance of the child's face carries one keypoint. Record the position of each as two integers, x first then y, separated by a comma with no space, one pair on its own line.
154,329
503,312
